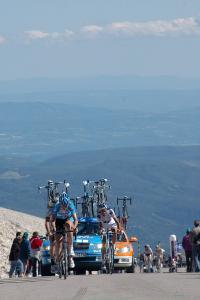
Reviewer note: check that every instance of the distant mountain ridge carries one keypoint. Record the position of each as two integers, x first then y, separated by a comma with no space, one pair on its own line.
43,130
164,182
97,83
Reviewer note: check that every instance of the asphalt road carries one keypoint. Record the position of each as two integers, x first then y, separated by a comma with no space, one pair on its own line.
106,287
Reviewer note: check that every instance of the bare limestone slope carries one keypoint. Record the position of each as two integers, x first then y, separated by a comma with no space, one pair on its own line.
11,222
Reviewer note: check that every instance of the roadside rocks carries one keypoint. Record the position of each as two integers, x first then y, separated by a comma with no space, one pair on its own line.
10,222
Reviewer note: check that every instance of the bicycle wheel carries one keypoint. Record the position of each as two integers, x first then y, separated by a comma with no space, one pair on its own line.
110,260
60,268
65,265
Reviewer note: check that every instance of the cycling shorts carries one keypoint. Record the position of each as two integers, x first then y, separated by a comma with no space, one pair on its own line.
60,224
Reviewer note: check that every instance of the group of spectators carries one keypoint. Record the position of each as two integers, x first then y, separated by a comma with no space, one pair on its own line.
191,246
25,254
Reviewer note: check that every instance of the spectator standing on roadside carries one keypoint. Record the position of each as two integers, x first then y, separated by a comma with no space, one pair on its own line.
16,264
35,244
195,241
25,251
187,246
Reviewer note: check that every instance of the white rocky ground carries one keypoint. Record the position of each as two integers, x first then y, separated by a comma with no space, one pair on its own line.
11,222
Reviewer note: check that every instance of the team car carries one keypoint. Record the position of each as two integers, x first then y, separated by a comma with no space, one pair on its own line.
87,246
124,253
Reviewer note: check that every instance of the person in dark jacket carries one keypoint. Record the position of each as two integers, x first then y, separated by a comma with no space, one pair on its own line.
25,251
187,246
16,264
195,241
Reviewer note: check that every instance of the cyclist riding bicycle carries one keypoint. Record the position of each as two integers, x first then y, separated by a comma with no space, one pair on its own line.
108,221
50,207
64,219
148,258
158,256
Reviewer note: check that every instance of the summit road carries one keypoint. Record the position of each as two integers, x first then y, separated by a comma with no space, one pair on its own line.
163,286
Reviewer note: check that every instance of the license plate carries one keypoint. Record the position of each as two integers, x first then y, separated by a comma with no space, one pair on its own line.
80,254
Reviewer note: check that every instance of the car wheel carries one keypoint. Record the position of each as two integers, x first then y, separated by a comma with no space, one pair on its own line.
131,269
46,270
80,272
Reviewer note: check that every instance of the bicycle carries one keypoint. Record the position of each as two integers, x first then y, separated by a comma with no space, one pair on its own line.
125,216
99,192
108,258
63,265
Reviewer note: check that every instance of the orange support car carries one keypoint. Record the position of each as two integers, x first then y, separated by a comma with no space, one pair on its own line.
124,253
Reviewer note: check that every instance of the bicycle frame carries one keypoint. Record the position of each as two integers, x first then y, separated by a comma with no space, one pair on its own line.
108,259
125,215
63,266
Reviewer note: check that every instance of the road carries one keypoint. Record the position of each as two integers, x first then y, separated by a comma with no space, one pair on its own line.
137,286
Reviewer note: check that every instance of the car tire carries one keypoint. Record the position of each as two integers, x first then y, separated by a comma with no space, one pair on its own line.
46,270
80,272
131,269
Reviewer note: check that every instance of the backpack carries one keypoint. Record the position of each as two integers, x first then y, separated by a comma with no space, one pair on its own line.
35,243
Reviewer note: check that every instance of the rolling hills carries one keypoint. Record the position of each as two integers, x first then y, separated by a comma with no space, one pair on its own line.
164,182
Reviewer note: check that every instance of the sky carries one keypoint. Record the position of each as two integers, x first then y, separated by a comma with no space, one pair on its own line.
91,38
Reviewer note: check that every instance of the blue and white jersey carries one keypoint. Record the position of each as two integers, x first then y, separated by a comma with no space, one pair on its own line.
61,212
107,218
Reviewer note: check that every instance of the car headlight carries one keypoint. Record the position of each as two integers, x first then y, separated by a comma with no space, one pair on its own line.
123,250
46,248
97,246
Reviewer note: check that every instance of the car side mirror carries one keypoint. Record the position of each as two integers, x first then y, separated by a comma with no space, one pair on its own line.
133,239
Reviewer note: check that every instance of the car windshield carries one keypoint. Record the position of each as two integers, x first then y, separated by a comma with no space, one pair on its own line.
121,237
85,228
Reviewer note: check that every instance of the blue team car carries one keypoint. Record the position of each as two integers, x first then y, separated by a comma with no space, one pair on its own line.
87,246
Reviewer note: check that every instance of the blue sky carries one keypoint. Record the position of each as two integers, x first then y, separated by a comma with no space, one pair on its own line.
80,38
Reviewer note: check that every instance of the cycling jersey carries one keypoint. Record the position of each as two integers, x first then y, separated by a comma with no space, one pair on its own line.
107,219
63,213
148,252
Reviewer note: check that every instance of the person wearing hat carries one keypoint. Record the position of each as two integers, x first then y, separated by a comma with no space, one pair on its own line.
187,246
25,251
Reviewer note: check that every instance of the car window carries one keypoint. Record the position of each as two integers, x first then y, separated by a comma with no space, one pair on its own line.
121,237
88,228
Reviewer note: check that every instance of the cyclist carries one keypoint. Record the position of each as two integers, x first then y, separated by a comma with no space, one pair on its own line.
148,258
108,221
158,254
64,218
50,206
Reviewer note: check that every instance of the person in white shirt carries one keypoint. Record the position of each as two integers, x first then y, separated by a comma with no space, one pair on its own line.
108,220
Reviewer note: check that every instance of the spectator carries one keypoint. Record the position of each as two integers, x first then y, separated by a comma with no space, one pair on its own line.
35,243
195,241
16,264
187,246
25,251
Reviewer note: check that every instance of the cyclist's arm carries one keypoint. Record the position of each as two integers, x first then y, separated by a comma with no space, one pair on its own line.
113,215
52,224
48,225
117,222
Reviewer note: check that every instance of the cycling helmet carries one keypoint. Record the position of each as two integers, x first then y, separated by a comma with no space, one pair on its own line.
102,206
64,199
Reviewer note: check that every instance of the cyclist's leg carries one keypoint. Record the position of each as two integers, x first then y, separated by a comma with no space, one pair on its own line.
69,227
59,238
103,253
114,234
52,240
